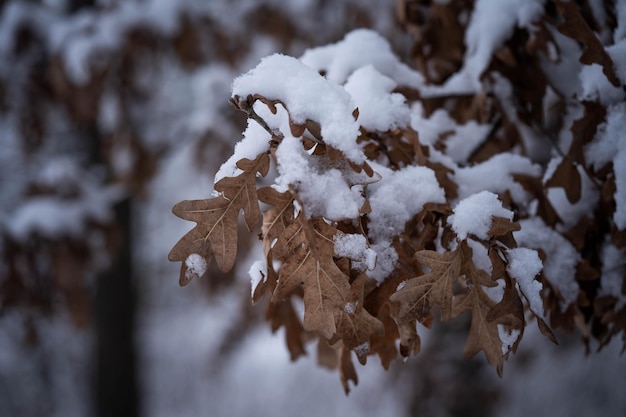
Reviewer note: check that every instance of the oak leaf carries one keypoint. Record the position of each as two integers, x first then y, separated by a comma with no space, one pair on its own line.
575,27
417,297
355,324
484,334
282,314
310,264
215,233
347,372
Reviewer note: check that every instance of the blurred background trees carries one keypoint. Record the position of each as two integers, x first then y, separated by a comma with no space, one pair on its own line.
112,111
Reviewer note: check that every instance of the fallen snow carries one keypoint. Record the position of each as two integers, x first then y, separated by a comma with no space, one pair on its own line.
491,24
196,266
379,108
524,265
609,145
308,96
474,214
613,272
561,260
355,247
311,179
258,274
360,48
496,175
394,200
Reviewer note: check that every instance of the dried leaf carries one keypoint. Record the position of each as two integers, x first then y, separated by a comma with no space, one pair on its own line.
484,334
575,27
421,293
281,314
215,233
355,325
310,263
566,176
347,372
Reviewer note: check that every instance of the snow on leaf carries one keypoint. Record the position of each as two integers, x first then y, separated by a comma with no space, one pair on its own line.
474,215
524,265
576,27
308,96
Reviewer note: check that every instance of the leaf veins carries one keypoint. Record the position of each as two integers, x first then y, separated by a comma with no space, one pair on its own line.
215,233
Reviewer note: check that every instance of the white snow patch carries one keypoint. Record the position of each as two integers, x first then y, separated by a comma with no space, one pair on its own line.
561,257
311,180
350,308
379,108
524,265
255,141
360,48
613,272
308,96
508,338
394,200
496,175
355,247
473,215
196,266
609,145
258,274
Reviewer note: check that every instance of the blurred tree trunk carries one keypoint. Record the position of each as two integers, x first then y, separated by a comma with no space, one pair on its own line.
115,303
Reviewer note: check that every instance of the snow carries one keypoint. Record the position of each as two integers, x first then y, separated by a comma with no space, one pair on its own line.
473,215
350,308
620,31
461,139
491,24
609,145
255,141
394,200
311,180
196,266
358,49
524,265
355,247
379,108
54,217
596,87
569,213
561,260
89,34
308,96
613,272
508,338
496,175
258,274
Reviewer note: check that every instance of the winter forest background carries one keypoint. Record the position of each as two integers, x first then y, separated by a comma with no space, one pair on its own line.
112,111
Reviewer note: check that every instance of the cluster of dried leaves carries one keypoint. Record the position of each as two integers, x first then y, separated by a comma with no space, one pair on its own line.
56,116
435,276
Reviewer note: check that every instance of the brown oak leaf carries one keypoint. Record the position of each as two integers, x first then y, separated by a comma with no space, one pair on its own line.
575,27
355,324
215,233
310,264
421,293
484,334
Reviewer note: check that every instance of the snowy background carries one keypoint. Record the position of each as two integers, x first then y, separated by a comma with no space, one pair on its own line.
204,349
